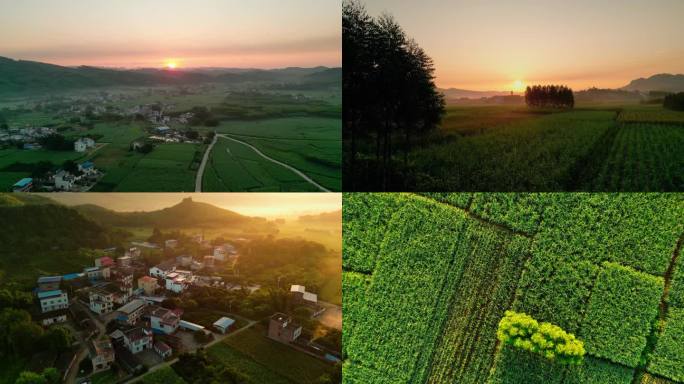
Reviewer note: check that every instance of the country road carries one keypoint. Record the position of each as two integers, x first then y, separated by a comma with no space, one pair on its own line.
200,171
291,168
168,363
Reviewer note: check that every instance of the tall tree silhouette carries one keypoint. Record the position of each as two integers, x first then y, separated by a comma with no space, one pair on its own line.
389,93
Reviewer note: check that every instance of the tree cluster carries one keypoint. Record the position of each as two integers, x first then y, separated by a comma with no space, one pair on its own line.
389,93
674,101
551,341
553,96
47,376
198,368
20,336
56,142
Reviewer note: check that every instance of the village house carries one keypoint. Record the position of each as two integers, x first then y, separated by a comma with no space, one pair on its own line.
162,349
148,284
49,283
64,180
131,312
102,300
184,260
101,353
282,328
163,320
83,144
208,261
133,252
104,262
178,280
301,296
123,278
53,300
162,269
124,261
23,185
88,168
97,273
224,324
137,339
52,317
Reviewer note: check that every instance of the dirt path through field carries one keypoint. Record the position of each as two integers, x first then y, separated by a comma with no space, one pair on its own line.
200,171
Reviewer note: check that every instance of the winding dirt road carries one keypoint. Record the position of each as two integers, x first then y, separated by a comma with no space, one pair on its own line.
291,168
200,171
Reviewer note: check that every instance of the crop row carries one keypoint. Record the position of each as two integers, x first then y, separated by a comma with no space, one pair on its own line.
354,286
519,367
642,157
464,353
365,219
417,267
529,155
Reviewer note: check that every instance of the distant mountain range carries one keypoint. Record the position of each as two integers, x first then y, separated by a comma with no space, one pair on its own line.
19,76
663,82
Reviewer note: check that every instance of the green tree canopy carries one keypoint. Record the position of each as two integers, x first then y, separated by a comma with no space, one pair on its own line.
551,341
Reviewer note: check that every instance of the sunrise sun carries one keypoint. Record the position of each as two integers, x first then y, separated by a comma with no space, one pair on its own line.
171,64
518,86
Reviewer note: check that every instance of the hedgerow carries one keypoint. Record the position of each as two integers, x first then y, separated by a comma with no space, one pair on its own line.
620,314
556,291
646,378
464,350
598,371
521,331
668,358
461,199
365,217
639,230
675,297
519,212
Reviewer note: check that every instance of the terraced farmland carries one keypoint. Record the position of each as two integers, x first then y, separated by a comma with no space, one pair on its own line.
426,278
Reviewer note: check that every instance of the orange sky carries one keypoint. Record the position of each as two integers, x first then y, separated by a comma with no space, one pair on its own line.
148,33
488,45
269,205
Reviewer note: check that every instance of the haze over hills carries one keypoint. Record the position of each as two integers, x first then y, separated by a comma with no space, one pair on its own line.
20,77
663,82
187,213
456,93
